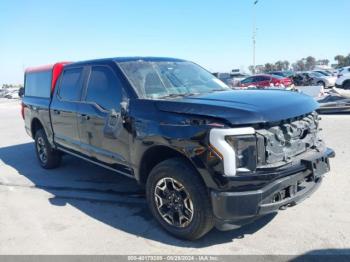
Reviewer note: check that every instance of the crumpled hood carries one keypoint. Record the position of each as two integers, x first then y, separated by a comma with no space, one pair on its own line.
241,107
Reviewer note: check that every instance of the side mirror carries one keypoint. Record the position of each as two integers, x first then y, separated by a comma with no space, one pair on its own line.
124,108
113,125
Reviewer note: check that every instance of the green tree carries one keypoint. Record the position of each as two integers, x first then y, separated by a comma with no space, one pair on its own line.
299,65
322,62
251,69
269,67
279,65
340,60
286,65
310,63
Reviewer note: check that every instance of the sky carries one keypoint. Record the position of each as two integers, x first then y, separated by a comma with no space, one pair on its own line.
215,34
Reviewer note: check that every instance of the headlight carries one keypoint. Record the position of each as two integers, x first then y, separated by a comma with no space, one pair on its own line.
246,152
236,147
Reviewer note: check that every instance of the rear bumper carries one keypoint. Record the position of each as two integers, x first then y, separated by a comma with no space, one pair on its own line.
233,209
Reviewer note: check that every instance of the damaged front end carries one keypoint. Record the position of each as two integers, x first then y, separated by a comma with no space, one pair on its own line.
291,160
287,139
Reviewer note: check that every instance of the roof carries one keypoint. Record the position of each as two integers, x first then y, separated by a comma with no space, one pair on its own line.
39,68
148,59
131,59
263,75
44,67
56,70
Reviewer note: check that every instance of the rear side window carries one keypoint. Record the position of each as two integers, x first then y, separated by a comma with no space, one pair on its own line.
104,88
70,85
38,84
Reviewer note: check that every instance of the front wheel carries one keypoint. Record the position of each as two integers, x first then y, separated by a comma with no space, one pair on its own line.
47,156
179,200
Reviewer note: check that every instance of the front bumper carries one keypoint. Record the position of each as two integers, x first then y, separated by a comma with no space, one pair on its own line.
233,209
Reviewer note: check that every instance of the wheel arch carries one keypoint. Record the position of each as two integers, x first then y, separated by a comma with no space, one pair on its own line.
35,126
155,155
345,83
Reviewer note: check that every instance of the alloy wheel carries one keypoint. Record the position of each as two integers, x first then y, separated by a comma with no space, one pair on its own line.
41,148
173,202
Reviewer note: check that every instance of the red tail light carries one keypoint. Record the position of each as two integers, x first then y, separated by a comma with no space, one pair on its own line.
22,110
56,71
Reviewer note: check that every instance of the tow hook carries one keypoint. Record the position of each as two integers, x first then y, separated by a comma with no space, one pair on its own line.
284,207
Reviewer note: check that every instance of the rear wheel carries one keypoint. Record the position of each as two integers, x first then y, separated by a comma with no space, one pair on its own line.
48,157
179,200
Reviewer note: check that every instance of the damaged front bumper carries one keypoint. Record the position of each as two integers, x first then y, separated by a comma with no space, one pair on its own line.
233,209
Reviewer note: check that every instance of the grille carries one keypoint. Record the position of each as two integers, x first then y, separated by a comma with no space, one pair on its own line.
289,138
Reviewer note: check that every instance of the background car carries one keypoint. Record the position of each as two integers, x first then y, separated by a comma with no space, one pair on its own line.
325,72
343,80
231,79
286,73
266,81
10,93
313,78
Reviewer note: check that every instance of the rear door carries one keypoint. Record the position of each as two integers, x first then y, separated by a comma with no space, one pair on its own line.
257,81
100,123
264,81
64,108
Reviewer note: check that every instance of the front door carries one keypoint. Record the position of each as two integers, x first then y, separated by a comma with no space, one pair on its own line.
100,123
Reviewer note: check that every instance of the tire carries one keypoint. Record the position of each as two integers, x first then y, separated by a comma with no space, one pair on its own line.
176,174
321,83
48,157
346,85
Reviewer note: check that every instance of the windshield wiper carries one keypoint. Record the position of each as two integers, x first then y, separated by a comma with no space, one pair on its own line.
179,95
219,90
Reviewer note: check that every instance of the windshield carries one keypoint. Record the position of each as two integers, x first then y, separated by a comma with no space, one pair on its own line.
316,74
277,76
276,73
281,73
169,79
325,73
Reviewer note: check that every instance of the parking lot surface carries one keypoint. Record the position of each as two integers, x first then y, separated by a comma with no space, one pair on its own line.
80,208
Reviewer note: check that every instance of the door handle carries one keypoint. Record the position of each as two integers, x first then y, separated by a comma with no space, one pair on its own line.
56,112
85,117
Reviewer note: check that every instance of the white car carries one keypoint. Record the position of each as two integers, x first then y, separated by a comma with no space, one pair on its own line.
343,80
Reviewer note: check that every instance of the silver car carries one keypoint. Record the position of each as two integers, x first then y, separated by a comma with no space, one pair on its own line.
317,78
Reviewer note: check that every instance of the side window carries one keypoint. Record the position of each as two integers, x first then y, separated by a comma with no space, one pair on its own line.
104,88
38,84
258,79
247,80
70,85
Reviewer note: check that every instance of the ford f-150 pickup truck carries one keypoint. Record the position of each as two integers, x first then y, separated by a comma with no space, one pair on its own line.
206,155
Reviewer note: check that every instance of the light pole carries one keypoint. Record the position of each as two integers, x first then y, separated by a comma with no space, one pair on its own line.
254,33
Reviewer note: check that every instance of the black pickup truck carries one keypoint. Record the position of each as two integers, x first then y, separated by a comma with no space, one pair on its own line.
206,155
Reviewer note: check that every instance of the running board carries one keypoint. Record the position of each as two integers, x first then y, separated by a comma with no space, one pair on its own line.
95,162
